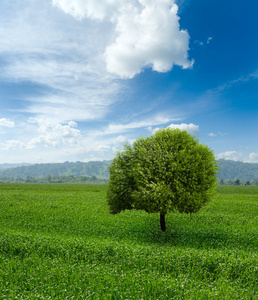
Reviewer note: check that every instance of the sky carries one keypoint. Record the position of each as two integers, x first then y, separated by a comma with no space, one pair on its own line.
80,78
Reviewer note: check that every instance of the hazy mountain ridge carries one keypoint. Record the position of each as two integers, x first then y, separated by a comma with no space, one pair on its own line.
237,169
12,166
93,168
229,170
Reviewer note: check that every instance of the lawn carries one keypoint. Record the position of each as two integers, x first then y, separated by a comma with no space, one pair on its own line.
58,241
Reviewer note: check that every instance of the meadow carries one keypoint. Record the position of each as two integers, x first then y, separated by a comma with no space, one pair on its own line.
58,241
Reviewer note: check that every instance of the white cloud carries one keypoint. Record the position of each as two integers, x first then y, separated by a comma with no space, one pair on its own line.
217,134
212,134
51,134
120,140
54,134
97,153
191,128
230,155
6,123
39,44
96,10
64,62
11,144
209,39
222,133
253,158
47,134
118,128
77,92
201,43
148,33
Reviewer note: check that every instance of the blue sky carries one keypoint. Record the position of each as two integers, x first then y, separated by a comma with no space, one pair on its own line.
80,78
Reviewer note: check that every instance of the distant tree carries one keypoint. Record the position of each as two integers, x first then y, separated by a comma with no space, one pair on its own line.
237,182
169,171
247,182
30,179
93,178
221,182
49,178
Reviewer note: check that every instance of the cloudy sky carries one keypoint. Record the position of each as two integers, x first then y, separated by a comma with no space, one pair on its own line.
79,78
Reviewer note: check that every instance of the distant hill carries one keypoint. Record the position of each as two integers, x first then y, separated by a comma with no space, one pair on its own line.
93,168
230,170
236,169
9,166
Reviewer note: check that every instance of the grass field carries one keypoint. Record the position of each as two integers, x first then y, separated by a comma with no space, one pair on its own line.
60,242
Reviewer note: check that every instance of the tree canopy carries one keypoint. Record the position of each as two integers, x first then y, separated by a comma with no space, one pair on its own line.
166,172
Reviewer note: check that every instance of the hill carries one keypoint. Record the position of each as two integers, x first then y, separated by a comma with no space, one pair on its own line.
90,169
229,170
11,166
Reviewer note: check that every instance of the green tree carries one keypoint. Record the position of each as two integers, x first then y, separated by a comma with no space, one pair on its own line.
168,171
49,178
237,181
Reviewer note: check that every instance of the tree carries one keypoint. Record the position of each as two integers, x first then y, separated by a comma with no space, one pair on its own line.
49,178
237,181
168,171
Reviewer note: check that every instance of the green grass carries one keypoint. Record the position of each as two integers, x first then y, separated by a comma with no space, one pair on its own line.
60,242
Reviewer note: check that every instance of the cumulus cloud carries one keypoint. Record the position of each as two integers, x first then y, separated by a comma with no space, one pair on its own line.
6,123
51,134
253,158
230,155
65,62
148,33
191,128
11,144
54,134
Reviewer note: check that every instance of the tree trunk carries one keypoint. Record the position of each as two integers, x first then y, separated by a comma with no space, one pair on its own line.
162,222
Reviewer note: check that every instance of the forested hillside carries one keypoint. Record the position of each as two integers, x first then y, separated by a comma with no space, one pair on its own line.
236,169
9,166
229,170
90,169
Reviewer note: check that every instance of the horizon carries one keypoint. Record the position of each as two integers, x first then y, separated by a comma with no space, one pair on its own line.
79,79
85,162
